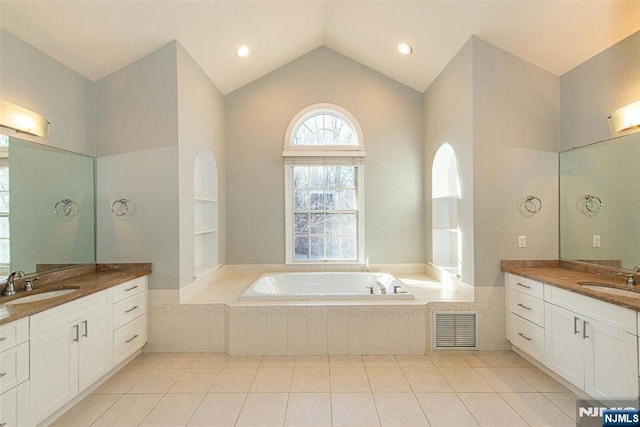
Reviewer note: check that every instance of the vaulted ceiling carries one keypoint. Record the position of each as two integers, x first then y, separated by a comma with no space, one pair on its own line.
96,37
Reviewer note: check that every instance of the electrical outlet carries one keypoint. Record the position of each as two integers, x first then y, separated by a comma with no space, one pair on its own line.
522,241
596,241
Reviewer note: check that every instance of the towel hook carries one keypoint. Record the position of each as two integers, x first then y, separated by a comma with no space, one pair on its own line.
120,207
592,203
64,208
533,204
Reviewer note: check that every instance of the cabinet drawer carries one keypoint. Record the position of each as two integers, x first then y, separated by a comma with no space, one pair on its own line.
14,333
526,306
128,309
526,286
129,288
610,314
129,338
528,337
14,366
14,407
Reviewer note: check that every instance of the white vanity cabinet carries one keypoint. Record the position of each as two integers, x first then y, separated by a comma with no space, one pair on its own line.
592,344
525,315
130,318
14,373
71,347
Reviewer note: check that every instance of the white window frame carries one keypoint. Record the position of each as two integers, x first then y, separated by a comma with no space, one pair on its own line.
323,155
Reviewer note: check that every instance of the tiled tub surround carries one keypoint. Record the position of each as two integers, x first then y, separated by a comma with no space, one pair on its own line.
214,320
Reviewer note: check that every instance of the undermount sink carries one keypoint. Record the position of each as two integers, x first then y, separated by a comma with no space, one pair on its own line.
606,288
42,296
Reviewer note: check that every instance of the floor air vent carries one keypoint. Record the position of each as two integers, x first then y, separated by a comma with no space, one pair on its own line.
455,330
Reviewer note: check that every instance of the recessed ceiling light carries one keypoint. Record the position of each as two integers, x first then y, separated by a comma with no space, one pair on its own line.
242,51
405,48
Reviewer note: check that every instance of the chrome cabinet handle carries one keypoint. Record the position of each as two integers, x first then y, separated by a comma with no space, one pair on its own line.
132,338
86,329
524,306
131,309
524,286
131,288
575,325
584,329
77,333
524,336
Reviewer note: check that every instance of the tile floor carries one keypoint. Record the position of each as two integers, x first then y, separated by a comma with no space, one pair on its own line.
493,388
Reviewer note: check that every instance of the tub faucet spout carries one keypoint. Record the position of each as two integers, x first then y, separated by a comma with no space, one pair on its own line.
381,288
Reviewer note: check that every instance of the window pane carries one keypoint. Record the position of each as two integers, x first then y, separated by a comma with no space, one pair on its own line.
348,247
316,201
4,202
348,224
301,224
4,227
317,248
316,226
301,248
333,248
348,177
331,224
316,174
4,251
324,129
332,177
302,201
348,200
300,177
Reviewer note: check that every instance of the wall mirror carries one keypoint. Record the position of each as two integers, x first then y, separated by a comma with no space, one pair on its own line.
47,207
600,202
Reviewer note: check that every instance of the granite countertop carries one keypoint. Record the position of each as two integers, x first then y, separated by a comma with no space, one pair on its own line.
567,274
89,280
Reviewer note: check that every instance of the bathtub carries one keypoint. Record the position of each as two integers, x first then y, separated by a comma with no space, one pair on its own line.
325,286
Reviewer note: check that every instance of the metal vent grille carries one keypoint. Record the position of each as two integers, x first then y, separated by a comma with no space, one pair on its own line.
454,330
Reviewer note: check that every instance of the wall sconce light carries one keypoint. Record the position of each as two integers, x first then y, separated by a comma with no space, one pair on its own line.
625,118
22,120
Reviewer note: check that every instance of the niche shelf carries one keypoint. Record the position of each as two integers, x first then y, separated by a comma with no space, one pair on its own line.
205,210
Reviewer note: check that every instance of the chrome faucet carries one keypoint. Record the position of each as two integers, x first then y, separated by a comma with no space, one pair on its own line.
630,279
11,287
381,288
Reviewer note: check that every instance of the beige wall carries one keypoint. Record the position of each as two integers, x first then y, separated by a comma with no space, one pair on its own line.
390,115
500,115
515,108
35,81
200,125
593,90
449,119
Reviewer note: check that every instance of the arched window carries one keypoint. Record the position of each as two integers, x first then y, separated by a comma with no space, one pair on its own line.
324,170
445,193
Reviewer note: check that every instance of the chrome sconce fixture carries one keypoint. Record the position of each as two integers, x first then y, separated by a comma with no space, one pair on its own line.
625,118
20,119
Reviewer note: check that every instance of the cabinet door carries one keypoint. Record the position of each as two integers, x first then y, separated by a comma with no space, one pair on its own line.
14,407
611,368
95,356
54,370
564,344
